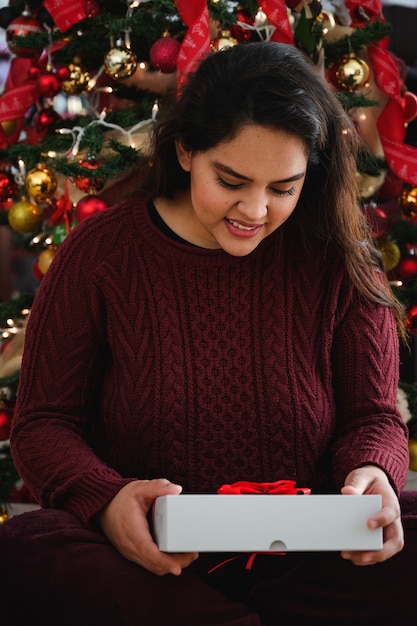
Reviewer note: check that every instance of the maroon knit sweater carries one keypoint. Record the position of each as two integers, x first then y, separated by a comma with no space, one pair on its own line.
148,358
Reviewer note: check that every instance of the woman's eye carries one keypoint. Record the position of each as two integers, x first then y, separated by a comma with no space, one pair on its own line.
284,192
224,183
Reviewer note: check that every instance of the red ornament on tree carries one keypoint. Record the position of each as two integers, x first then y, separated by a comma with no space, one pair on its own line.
86,183
23,26
163,54
43,119
411,321
5,423
8,187
406,269
48,84
241,32
89,205
92,8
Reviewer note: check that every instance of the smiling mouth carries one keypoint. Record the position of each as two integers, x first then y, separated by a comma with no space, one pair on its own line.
242,226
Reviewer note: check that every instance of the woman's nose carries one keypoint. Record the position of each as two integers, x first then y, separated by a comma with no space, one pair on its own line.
254,206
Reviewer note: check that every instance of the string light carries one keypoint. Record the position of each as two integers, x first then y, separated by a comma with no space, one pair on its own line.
78,132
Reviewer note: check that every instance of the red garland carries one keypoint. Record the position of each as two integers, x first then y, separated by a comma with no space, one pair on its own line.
196,43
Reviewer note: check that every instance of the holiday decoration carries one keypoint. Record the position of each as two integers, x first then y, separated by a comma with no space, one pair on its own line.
120,61
24,216
163,54
45,259
40,183
78,78
352,73
88,205
224,40
88,184
407,201
19,27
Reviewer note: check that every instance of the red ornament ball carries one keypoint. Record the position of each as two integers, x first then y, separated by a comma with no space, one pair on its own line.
92,8
8,187
85,183
43,119
48,84
63,73
406,269
411,321
163,54
89,205
23,26
409,104
240,32
34,72
5,424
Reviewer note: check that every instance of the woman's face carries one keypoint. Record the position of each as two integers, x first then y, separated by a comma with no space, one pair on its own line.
242,190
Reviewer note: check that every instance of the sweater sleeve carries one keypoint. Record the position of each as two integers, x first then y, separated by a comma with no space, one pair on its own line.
365,365
63,357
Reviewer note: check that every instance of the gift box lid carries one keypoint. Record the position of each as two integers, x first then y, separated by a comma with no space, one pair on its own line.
240,523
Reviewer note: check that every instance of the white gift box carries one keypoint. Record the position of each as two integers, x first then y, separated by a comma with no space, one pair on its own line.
263,523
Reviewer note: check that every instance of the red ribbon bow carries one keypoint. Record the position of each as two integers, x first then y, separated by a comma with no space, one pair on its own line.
286,487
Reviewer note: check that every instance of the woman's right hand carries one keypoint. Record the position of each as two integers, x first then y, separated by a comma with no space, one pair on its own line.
124,522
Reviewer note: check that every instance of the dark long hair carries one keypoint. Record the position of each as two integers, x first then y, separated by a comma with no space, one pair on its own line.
276,86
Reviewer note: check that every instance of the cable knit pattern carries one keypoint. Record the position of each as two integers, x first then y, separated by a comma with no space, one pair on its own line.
147,358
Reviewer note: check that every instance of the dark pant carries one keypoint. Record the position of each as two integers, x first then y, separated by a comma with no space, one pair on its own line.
56,572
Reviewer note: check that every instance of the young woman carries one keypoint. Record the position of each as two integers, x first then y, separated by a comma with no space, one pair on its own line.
231,322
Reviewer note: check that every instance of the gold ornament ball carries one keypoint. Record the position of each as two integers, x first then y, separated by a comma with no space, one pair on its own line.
407,200
9,127
24,217
45,259
391,255
78,80
352,73
41,183
120,62
224,40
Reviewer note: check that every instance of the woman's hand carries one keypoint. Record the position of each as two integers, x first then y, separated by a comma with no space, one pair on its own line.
124,522
372,480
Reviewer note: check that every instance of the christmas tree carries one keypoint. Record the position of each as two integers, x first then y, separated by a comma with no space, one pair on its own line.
87,79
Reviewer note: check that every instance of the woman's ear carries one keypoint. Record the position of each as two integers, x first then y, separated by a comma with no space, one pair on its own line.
183,156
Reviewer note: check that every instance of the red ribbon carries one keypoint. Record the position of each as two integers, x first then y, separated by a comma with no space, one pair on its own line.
196,42
401,157
363,11
276,12
65,14
278,487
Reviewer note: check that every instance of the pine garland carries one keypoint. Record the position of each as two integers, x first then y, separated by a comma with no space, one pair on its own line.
360,38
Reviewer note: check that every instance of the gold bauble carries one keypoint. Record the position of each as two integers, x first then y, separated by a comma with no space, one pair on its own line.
45,259
391,254
407,200
352,73
78,79
120,62
24,217
40,183
4,516
224,40
9,127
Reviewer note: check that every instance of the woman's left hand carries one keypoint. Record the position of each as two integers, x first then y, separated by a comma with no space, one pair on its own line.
370,479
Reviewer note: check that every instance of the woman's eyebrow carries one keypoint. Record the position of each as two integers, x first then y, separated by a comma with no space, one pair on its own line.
228,170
